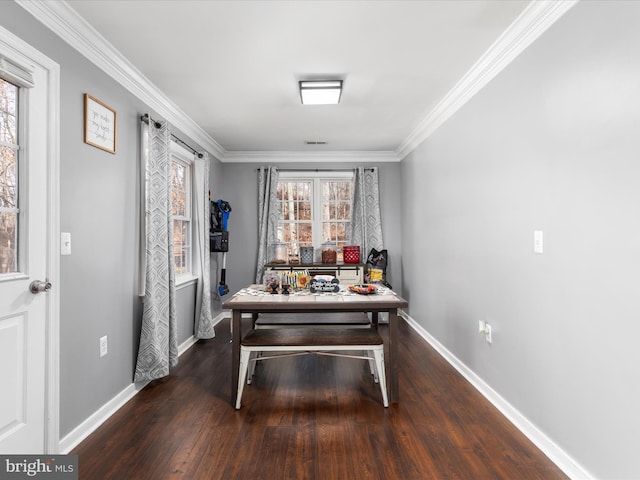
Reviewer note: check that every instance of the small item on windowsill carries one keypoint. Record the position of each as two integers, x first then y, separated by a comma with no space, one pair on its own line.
329,252
278,253
306,255
273,288
285,289
351,254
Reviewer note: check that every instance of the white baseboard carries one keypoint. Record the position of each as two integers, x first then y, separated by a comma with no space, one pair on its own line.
186,345
86,428
558,456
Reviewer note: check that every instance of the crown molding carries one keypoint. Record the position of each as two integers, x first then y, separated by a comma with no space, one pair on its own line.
73,29
316,156
68,25
530,24
77,32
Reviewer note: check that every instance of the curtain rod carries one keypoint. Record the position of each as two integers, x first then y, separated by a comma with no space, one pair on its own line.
318,169
146,118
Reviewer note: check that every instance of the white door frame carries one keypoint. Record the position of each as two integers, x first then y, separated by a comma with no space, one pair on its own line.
15,48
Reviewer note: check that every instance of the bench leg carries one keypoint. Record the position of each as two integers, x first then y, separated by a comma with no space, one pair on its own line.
379,356
252,366
242,374
372,365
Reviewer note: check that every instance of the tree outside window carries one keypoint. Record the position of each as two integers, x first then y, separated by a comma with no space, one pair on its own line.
314,210
336,210
9,208
181,214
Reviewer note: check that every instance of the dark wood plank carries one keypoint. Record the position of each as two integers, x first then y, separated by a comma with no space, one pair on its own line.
310,417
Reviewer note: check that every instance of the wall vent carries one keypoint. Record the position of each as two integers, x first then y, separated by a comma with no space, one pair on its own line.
315,142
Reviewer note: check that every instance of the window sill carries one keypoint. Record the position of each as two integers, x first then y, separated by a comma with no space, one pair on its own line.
183,281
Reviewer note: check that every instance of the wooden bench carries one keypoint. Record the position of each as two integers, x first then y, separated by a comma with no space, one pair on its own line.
324,341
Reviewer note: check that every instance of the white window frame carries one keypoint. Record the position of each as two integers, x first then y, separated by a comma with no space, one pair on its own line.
316,179
19,148
185,158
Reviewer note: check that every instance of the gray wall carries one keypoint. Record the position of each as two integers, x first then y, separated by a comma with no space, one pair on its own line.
240,188
551,144
99,207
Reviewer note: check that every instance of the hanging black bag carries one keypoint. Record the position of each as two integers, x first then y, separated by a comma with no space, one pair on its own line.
376,267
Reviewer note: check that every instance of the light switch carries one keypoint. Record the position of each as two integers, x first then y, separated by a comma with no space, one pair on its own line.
65,243
538,241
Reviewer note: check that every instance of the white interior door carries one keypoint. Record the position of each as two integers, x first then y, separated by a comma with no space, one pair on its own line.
25,253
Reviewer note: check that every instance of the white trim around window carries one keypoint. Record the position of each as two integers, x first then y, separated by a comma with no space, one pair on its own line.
316,178
185,157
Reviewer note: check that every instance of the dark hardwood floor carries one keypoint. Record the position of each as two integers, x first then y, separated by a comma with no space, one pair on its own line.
310,417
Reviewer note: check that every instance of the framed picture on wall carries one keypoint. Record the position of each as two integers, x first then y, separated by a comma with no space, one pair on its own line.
99,124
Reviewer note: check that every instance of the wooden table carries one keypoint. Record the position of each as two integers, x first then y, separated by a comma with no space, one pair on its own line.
251,301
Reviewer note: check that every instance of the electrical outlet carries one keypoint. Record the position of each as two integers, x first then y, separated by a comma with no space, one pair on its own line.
488,334
103,346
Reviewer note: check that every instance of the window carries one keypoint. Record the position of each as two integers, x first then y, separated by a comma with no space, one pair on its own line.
181,188
314,208
9,207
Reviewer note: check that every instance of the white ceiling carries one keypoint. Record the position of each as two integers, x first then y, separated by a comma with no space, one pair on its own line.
233,66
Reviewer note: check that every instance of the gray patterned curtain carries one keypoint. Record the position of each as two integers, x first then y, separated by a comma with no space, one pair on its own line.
268,215
158,350
366,221
204,319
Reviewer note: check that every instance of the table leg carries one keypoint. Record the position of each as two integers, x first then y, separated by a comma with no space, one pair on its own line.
392,378
236,337
374,320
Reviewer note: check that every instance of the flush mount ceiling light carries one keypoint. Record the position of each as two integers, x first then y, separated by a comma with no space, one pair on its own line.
326,92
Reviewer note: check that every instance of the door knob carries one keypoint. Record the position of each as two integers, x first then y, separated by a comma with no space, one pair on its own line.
38,287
